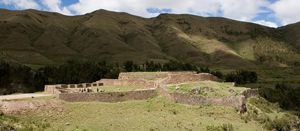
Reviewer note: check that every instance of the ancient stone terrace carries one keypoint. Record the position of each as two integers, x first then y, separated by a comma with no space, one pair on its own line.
141,79
144,85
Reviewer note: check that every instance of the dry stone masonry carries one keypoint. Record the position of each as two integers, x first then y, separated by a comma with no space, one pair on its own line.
109,96
152,84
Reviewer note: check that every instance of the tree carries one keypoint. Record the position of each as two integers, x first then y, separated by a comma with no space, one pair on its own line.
129,66
241,77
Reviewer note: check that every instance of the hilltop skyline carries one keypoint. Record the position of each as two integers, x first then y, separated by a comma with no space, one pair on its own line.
272,13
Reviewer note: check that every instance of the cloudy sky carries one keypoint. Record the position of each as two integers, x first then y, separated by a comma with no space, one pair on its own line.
273,13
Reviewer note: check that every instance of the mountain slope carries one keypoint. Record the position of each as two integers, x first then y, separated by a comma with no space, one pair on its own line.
39,38
291,33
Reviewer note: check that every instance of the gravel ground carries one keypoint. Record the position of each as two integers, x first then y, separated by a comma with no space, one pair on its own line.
22,96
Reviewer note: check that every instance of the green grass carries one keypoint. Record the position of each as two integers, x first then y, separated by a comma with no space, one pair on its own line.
269,75
8,123
208,88
35,67
275,51
244,49
153,114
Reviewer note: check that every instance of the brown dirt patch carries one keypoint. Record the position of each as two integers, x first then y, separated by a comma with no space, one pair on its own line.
20,107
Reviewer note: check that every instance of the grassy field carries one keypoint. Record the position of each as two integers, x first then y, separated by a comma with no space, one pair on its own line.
157,113
153,114
208,88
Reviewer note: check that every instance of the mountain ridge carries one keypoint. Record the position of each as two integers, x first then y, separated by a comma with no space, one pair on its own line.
41,38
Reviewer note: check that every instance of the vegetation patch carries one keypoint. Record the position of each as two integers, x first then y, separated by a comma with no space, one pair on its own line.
11,123
270,115
207,88
287,96
223,127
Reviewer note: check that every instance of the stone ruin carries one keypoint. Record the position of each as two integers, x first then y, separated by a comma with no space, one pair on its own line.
142,79
152,83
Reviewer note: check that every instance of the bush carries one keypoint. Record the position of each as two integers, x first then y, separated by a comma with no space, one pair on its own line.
241,77
259,110
279,125
15,78
223,127
217,74
287,96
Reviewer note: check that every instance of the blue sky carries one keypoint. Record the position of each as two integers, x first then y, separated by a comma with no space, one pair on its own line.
273,13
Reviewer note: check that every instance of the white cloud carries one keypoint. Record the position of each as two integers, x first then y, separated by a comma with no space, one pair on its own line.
235,9
287,11
86,6
21,4
266,23
55,6
243,10
138,7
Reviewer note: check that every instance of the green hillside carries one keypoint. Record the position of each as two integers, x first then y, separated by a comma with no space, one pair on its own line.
38,38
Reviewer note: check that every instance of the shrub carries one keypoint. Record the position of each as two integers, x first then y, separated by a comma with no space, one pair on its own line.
241,77
286,95
258,111
279,125
217,74
223,127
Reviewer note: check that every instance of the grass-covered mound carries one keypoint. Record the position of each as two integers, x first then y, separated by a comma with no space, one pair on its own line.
207,88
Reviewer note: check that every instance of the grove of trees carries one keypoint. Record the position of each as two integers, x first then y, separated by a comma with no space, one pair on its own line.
241,77
286,95
20,78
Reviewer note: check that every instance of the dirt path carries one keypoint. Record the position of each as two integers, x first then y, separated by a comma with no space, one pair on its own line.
22,96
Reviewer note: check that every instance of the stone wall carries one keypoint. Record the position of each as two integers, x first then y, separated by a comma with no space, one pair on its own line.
64,88
173,77
137,82
53,89
142,75
109,96
141,79
238,102
84,85
190,77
